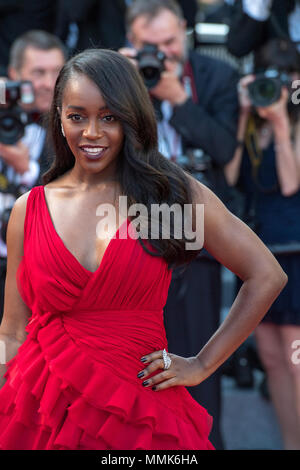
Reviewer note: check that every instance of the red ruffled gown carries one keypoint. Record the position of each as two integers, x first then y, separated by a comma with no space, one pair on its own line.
73,383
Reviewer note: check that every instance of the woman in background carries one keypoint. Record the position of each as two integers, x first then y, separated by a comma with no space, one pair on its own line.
267,169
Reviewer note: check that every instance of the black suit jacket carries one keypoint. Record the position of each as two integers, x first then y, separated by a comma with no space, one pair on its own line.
247,35
19,16
211,124
100,22
189,9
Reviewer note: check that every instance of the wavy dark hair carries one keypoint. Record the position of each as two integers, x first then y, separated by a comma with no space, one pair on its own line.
145,176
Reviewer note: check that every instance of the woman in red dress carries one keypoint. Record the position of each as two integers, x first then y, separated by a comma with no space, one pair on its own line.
83,333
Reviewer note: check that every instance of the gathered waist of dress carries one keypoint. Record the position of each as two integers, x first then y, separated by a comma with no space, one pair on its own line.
121,318
94,312
117,336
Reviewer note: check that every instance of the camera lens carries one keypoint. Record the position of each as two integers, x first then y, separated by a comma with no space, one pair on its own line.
266,89
150,73
11,129
8,123
151,64
13,118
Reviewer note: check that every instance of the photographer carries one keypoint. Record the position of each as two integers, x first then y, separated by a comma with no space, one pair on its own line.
35,57
267,168
254,22
196,104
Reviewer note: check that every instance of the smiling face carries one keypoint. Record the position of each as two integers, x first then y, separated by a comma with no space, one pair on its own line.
93,133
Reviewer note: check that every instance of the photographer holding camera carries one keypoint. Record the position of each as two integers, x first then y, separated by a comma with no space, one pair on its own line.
196,104
266,167
36,58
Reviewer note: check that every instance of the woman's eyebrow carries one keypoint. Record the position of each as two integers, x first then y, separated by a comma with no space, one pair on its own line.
81,108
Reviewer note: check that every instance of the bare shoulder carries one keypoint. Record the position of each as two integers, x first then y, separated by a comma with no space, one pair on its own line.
17,216
229,240
20,204
200,193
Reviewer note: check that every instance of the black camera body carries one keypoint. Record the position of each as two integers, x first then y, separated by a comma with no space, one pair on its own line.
13,118
151,64
266,88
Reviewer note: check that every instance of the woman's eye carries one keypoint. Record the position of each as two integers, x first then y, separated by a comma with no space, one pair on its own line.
74,117
109,118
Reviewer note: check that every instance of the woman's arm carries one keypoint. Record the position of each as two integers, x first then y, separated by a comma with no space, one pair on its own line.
234,245
238,248
232,169
246,33
16,313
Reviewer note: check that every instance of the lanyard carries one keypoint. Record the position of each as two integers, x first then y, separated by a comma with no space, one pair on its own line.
189,82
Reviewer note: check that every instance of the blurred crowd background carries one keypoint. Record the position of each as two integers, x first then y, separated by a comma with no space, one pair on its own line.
230,117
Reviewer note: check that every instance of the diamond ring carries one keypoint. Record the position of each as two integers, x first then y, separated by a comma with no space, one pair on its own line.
167,360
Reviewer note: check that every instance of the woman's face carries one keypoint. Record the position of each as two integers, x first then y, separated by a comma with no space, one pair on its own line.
93,133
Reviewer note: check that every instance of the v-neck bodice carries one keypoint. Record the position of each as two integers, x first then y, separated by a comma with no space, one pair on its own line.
57,279
60,240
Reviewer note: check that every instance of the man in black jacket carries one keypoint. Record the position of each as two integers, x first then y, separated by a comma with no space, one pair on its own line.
254,22
197,108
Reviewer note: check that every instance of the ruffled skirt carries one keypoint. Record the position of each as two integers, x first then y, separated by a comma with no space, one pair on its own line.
57,398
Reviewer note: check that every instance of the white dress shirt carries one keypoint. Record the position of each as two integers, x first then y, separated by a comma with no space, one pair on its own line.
34,138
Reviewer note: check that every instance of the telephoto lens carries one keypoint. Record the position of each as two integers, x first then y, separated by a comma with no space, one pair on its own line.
13,118
151,64
266,88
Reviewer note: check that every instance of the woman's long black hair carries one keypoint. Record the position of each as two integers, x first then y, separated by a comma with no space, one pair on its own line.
144,175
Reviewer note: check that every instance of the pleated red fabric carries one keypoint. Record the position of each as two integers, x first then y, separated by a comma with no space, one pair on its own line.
73,383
